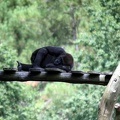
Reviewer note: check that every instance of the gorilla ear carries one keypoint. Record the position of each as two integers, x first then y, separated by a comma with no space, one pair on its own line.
68,59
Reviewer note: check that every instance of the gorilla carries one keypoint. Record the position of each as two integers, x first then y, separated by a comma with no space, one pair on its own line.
48,57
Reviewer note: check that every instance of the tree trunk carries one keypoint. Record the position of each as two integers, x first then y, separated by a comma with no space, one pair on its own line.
108,100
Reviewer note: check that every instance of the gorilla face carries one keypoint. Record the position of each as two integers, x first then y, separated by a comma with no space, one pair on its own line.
58,61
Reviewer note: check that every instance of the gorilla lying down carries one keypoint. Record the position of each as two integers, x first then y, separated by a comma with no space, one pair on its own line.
48,57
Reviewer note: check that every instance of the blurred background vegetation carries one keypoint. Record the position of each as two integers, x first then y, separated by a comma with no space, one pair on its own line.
88,29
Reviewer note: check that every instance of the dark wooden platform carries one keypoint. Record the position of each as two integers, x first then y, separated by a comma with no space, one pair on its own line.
56,75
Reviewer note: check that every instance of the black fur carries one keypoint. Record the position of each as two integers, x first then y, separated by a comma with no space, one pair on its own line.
48,57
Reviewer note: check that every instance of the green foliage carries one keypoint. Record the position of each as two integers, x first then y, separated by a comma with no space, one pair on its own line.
44,22
26,25
102,40
16,103
7,55
83,104
70,102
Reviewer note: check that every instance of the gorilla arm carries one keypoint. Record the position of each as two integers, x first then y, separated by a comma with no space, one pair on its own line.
63,67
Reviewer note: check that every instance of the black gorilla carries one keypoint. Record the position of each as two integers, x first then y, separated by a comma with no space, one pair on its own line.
49,57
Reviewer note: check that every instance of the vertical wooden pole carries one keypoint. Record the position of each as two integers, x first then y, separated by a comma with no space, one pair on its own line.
109,97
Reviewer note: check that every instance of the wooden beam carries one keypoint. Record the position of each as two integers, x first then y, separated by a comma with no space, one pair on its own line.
108,100
76,77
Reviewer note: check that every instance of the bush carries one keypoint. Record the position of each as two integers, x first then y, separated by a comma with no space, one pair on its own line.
71,102
16,103
7,55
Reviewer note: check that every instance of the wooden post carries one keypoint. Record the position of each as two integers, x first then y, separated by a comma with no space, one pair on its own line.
108,100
